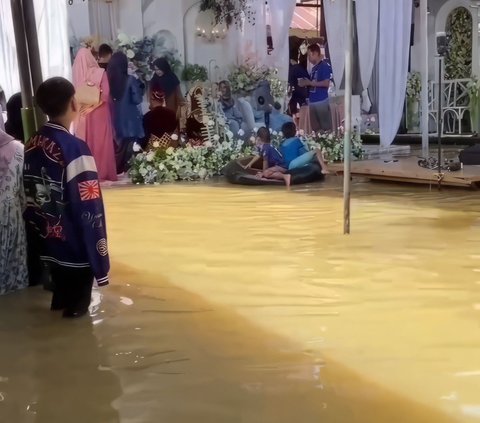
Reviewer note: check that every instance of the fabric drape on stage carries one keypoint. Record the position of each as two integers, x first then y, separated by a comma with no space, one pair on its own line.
335,18
367,30
281,15
104,19
52,29
9,79
394,50
250,41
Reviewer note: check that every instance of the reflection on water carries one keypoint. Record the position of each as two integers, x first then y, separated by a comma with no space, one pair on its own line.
232,304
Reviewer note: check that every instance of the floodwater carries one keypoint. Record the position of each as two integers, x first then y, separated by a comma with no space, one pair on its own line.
248,305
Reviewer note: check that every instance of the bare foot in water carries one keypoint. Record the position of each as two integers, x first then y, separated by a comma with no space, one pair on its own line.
288,180
322,161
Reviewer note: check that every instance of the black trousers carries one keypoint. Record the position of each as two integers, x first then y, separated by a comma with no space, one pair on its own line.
123,154
72,288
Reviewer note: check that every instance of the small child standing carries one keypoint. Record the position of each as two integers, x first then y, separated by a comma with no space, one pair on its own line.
273,163
64,203
294,152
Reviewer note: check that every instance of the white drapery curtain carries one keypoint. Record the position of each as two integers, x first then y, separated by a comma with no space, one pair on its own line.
104,19
51,17
52,30
9,79
335,19
281,15
394,50
250,41
367,30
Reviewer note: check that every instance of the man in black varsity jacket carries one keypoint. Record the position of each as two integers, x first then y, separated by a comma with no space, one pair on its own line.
64,202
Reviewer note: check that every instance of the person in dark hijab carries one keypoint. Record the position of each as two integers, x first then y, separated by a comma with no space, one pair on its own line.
126,94
165,80
14,125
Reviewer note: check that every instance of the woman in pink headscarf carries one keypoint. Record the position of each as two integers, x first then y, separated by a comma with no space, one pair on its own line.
95,126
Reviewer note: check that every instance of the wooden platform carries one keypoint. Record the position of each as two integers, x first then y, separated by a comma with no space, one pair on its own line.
407,170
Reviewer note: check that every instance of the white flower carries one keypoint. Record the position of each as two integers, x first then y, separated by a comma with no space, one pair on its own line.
156,144
252,139
211,123
216,137
221,121
150,156
205,120
229,134
130,54
123,39
143,171
202,173
136,147
280,134
241,133
255,129
301,132
271,130
208,144
174,137
274,133
170,151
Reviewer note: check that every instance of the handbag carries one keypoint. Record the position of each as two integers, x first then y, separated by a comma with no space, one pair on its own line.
88,95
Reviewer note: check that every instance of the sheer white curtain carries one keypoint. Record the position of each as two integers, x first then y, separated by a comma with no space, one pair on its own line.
52,30
394,50
104,19
367,30
250,41
335,18
281,14
9,80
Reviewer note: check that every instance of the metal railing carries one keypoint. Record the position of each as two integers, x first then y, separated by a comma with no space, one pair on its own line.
455,106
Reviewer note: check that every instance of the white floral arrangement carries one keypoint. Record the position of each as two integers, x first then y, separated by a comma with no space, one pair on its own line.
331,144
143,51
185,164
245,78
414,86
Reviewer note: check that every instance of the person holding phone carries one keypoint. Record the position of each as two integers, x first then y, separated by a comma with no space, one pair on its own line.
319,83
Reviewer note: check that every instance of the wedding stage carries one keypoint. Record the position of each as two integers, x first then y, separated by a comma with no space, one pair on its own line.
407,170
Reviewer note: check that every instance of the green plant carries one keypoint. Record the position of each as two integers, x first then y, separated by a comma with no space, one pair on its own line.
414,86
458,62
229,11
194,73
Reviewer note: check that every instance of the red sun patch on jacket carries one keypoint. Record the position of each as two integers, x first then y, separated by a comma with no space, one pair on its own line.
89,190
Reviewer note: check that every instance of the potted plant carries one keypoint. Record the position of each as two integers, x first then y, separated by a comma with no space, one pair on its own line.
414,89
194,73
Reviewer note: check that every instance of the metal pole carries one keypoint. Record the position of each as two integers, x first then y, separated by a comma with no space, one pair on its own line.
28,116
348,120
440,118
33,55
424,49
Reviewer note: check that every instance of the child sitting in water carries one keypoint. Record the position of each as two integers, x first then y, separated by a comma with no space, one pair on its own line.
273,163
294,152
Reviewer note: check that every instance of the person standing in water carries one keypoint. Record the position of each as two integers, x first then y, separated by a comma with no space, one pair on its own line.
64,202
